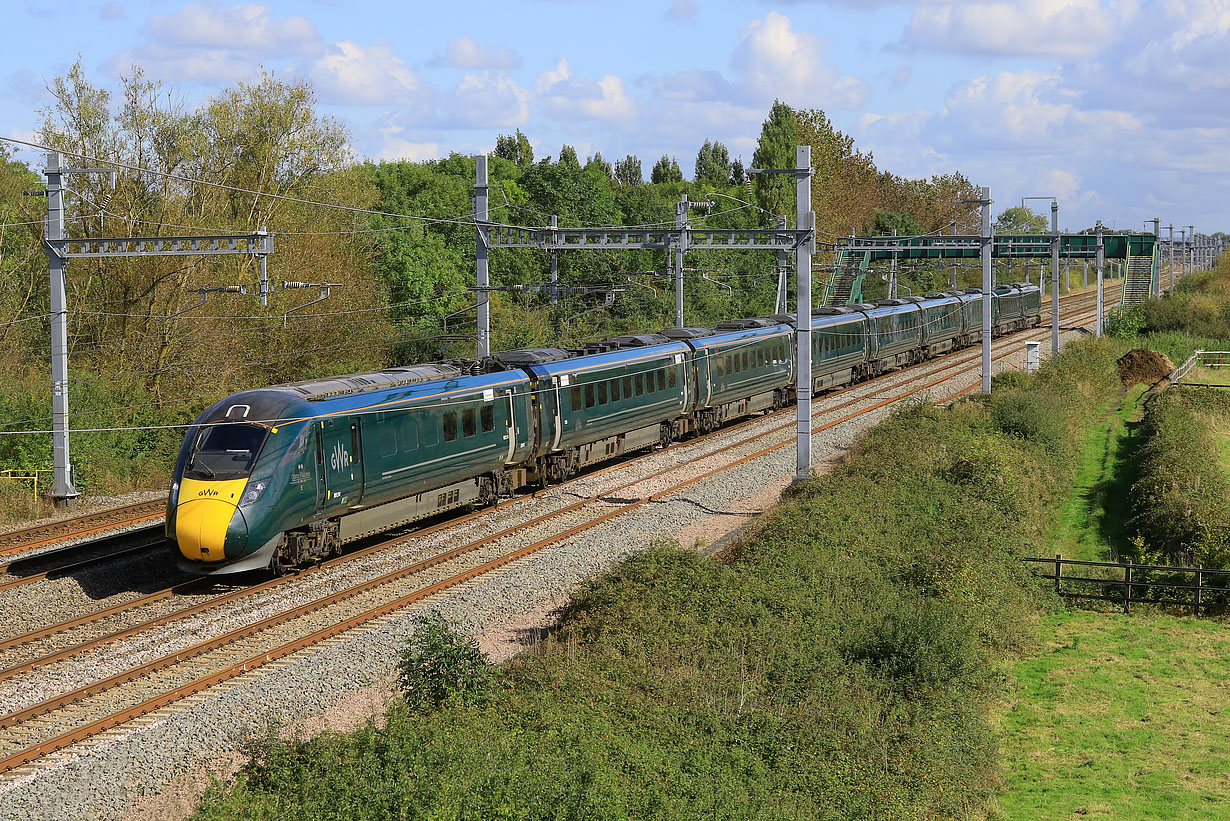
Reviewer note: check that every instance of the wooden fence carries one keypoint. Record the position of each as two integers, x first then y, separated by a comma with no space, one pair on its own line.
1206,359
1127,584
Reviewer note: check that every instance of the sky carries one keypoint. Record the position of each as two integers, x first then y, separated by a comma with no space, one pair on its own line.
1120,109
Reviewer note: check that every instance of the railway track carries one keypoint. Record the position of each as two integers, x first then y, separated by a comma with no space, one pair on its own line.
84,712
18,541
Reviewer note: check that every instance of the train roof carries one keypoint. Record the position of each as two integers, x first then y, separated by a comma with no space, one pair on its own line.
762,329
583,363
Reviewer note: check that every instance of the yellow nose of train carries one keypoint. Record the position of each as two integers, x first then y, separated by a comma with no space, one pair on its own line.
207,519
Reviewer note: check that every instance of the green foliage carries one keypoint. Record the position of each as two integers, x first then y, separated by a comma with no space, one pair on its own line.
515,148
1020,220
627,172
1179,498
839,661
439,666
1126,323
665,170
713,165
887,221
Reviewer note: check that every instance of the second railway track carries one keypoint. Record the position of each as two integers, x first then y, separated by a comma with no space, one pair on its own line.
154,686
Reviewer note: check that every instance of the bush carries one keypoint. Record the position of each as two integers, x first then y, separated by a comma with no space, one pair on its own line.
440,665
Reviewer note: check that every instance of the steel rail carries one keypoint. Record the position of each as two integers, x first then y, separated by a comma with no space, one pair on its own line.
219,600
128,714
52,532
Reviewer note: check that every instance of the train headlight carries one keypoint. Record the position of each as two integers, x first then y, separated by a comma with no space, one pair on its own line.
254,491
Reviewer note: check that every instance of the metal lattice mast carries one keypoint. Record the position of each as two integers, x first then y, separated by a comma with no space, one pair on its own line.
60,249
984,200
805,219
1055,277
482,254
1101,260
681,248
62,489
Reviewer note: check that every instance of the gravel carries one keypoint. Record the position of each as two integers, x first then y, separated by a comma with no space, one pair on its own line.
131,762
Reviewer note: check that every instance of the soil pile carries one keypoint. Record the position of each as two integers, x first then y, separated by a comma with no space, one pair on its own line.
1144,365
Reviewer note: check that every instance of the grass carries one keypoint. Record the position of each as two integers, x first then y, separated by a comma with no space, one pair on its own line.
1092,522
1119,717
1208,376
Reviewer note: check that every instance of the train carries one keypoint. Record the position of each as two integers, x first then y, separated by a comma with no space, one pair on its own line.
285,476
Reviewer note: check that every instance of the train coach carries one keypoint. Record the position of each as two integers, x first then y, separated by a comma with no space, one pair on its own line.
286,475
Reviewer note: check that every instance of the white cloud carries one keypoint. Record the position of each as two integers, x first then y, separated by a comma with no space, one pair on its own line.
209,42
682,11
349,73
1051,28
567,97
773,61
695,85
246,27
488,100
394,148
462,52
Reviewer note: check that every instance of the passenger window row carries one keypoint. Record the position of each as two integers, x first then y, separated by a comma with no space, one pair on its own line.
606,391
470,422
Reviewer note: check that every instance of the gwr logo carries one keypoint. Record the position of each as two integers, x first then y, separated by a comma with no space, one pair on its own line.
208,492
339,458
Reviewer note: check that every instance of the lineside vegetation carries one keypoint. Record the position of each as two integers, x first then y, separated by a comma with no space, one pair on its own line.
837,663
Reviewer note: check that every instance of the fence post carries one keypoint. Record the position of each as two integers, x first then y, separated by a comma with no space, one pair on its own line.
1127,589
1058,574
1199,581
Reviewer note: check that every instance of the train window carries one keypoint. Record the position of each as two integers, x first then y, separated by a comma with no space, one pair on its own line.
614,390
576,397
661,380
487,418
407,433
671,379
763,356
431,431
628,387
729,365
450,427
469,422
388,434
719,367
602,392
640,384
746,361
590,400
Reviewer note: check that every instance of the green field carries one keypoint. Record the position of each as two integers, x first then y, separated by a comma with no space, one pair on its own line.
1119,717
1093,518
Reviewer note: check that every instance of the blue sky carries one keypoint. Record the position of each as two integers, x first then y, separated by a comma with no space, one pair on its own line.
1121,108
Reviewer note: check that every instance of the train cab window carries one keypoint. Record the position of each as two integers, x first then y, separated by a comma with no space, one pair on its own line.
661,380
576,397
224,451
640,384
614,390
590,399
469,422
602,392
450,427
486,418
627,387
671,378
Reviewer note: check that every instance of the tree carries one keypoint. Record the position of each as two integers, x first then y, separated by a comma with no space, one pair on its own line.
515,148
568,156
666,169
712,164
904,224
1020,220
738,175
778,137
600,165
628,171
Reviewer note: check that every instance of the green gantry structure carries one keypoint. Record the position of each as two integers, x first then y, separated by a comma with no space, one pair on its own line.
853,255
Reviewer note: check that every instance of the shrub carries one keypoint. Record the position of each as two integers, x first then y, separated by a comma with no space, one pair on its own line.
440,665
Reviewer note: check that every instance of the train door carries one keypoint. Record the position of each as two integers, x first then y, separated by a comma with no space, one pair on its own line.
337,448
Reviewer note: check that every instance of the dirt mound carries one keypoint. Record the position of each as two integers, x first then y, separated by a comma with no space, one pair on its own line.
1144,365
